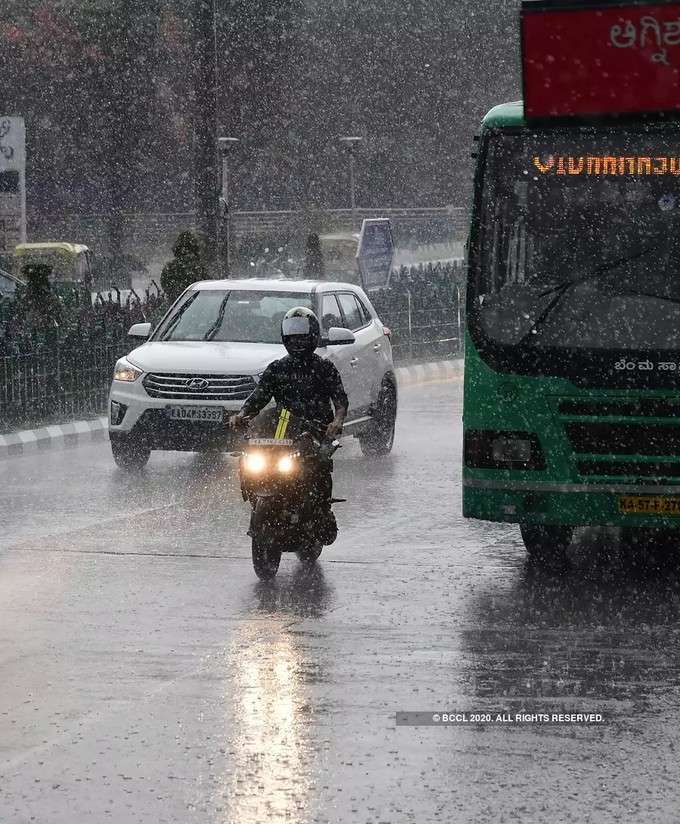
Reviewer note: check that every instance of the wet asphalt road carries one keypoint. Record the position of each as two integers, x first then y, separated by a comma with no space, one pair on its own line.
147,676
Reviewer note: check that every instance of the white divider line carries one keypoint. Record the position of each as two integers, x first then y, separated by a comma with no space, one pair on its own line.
49,437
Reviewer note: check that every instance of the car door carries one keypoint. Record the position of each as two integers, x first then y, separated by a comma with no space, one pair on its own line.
377,348
362,358
343,357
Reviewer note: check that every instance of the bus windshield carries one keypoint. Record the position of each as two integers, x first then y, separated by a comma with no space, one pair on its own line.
580,240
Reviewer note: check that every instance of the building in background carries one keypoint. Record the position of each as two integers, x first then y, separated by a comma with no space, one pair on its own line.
12,183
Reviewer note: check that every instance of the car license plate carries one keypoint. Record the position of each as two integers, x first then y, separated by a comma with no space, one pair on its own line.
214,414
649,505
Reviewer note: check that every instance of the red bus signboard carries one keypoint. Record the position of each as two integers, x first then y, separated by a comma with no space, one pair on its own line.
600,59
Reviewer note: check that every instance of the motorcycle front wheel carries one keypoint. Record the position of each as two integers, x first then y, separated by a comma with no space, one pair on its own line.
266,558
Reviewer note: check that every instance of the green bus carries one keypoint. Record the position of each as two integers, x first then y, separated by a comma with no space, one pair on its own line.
572,352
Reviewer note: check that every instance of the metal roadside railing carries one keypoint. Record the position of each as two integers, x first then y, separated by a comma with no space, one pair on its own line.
424,309
59,381
64,373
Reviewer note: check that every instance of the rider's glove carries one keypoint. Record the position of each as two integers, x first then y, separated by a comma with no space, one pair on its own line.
238,421
333,429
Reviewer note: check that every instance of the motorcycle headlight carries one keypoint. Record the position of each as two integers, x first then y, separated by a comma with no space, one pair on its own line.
255,463
125,371
286,464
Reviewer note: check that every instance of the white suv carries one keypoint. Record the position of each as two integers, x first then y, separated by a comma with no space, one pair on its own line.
176,390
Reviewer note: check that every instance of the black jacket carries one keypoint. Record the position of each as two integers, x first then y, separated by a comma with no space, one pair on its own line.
305,387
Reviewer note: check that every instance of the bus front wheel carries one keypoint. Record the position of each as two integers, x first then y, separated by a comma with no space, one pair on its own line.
547,545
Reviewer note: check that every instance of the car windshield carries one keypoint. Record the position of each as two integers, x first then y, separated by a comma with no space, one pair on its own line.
231,315
580,241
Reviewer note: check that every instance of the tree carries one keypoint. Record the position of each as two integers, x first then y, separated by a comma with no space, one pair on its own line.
92,80
119,98
186,268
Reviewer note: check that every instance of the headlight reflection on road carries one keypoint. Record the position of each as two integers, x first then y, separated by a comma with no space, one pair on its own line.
271,766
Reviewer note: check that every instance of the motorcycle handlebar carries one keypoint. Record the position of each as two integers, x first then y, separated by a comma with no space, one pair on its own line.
305,426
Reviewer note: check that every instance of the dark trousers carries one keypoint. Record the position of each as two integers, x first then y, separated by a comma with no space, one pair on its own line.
322,483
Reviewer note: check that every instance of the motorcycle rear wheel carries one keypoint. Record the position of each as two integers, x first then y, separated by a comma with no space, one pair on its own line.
266,558
310,554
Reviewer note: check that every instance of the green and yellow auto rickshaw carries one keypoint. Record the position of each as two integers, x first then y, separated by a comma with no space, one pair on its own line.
71,262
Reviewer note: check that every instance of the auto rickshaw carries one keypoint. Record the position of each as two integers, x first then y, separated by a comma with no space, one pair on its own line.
71,262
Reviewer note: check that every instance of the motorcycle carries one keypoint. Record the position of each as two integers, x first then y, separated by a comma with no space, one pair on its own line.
289,495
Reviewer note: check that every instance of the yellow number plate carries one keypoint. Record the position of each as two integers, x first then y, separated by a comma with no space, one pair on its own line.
649,505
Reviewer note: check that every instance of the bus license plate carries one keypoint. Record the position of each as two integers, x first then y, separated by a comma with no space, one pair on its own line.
214,414
649,505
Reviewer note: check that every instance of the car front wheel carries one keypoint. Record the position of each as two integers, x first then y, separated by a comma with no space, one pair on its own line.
379,438
130,453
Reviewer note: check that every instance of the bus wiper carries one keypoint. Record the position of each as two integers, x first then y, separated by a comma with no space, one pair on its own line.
558,292
220,317
635,293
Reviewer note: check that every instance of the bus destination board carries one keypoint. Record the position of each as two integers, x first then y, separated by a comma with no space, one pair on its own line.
593,59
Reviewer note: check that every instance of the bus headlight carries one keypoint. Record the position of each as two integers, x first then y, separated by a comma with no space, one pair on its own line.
255,463
286,464
490,449
511,450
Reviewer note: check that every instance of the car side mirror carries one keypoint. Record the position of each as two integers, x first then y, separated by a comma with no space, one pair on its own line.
336,336
140,330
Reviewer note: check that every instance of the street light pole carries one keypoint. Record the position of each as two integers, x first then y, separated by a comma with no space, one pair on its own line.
350,143
204,80
225,144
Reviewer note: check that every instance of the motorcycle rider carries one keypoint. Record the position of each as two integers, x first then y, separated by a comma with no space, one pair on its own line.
306,385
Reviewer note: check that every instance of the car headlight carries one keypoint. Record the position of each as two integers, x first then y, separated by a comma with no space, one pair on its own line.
255,463
125,371
286,464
